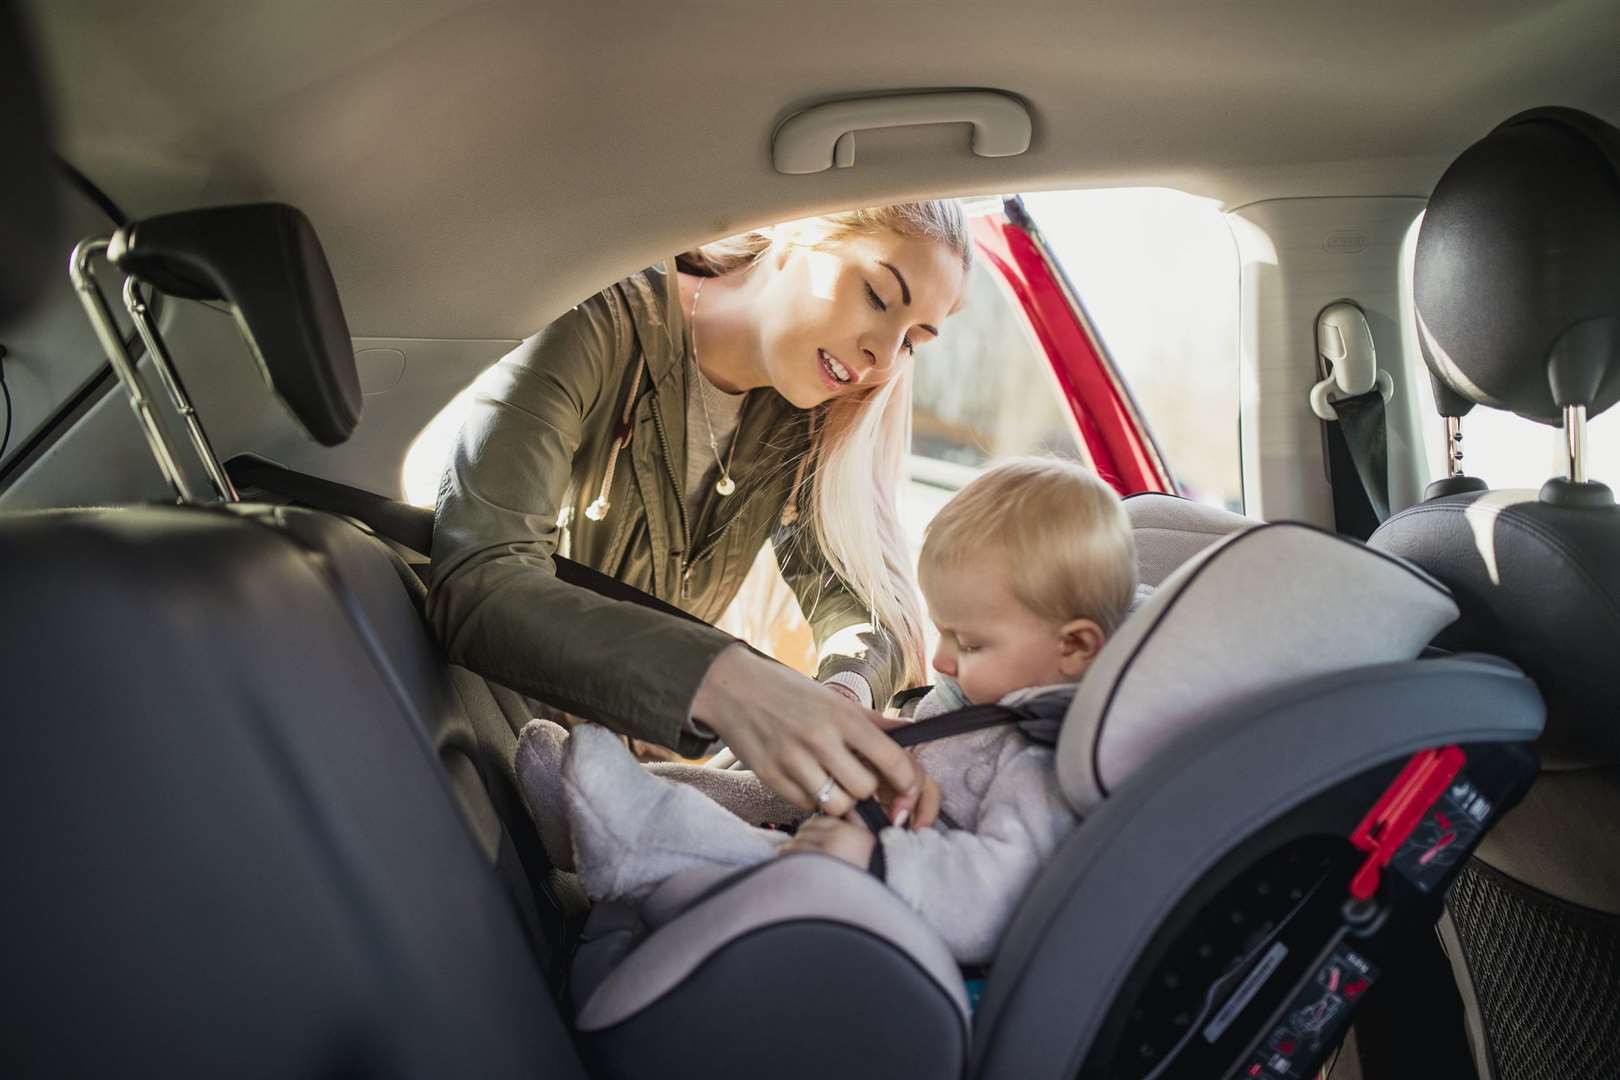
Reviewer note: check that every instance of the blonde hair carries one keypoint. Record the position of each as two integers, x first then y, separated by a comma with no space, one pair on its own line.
1056,526
856,461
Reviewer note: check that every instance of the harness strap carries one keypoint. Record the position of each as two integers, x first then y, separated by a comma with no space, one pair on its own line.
944,726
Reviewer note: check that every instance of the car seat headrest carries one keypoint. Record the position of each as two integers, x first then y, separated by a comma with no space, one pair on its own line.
1169,530
266,262
1517,261
1205,640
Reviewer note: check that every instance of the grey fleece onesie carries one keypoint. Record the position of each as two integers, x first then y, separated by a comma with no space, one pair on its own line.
631,830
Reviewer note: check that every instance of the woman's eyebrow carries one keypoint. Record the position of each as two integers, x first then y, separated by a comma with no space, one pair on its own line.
905,290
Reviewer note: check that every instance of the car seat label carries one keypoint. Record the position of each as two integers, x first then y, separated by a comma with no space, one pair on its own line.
1315,1020
1445,836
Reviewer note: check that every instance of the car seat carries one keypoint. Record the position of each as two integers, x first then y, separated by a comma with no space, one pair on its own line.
1262,842
254,820
1517,287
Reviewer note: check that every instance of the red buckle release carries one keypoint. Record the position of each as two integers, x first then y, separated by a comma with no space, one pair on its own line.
1399,810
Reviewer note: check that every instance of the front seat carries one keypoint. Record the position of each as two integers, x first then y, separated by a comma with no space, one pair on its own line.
1517,286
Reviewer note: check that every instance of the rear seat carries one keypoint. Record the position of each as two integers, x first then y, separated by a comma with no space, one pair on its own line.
256,813
232,782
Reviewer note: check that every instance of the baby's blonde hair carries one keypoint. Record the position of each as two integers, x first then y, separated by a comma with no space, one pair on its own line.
1059,530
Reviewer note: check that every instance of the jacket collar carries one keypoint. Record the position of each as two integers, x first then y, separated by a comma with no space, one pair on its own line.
653,298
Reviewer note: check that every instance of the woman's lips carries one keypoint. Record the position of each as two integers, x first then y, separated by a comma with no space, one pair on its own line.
833,372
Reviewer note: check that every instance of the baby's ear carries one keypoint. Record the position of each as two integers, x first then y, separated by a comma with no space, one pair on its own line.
1080,642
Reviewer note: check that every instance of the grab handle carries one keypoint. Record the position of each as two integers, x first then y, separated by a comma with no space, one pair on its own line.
823,136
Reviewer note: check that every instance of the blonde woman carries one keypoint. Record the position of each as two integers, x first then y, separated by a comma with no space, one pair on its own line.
757,390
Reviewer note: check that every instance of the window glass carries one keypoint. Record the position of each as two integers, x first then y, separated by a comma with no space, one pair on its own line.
984,390
1157,271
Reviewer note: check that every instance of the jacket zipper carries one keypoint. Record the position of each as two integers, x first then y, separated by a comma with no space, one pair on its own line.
680,503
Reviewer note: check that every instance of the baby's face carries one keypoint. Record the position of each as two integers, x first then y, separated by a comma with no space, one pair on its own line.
989,642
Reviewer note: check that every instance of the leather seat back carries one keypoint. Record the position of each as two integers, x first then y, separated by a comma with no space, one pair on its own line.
231,846
1517,309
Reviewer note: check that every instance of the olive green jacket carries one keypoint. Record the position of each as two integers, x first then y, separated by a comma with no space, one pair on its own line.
532,455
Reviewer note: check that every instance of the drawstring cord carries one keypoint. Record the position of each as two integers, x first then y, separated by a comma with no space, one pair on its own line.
621,439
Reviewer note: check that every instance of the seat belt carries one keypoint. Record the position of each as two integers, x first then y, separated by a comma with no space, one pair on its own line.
1361,421
410,526
944,726
1352,393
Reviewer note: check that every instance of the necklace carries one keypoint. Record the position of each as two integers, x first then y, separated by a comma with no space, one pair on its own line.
725,485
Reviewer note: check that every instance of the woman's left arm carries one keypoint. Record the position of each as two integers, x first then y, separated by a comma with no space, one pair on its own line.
850,647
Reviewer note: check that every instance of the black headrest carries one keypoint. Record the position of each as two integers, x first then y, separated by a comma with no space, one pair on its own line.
28,203
266,262
1518,262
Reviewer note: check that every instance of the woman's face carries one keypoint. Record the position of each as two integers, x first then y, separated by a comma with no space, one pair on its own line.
844,318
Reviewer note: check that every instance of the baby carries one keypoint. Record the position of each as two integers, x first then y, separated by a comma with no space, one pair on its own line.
1026,572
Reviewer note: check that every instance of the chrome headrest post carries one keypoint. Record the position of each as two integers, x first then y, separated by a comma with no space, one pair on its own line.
1575,442
1454,450
95,306
141,314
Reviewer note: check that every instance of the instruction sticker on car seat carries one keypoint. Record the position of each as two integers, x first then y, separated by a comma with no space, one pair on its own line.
1315,1020
1445,836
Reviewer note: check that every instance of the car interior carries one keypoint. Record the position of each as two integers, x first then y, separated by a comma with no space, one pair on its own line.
1362,820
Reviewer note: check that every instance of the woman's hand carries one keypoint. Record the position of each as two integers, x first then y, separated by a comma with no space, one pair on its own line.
797,734
841,839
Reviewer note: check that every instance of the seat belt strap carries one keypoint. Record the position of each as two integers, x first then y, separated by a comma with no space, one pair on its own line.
1362,422
411,526
944,726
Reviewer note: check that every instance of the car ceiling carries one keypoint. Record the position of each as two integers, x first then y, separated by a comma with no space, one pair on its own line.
473,168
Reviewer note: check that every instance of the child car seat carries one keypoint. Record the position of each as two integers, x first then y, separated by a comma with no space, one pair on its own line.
1274,797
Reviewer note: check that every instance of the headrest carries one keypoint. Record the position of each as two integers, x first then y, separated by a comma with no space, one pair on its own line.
1258,610
1517,261
1169,530
265,261
28,201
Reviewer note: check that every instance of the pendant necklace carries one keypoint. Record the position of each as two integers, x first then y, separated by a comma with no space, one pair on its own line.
725,485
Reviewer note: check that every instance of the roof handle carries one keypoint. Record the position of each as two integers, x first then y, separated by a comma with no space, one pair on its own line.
823,136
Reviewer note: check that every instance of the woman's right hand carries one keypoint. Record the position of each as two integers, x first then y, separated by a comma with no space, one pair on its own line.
795,734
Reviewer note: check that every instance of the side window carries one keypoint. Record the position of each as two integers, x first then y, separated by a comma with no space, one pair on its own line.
1508,451
983,391
1157,271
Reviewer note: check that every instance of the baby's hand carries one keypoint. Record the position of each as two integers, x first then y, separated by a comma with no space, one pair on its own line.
841,839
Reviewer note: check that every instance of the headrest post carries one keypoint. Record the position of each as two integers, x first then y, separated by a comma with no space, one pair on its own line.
112,343
1575,439
140,313
1454,450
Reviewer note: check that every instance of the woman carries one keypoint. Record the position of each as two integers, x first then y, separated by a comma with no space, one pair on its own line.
662,432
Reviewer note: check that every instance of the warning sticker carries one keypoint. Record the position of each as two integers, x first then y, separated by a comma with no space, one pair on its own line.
1445,835
1315,1021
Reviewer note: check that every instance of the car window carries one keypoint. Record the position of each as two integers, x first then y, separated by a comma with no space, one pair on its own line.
1508,451
983,391
1157,272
